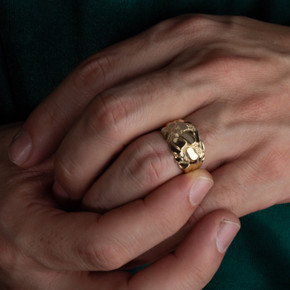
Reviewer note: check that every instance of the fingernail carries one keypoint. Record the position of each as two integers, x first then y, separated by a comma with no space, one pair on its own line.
20,148
199,189
59,191
225,234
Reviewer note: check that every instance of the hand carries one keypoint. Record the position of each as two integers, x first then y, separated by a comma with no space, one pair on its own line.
229,75
43,247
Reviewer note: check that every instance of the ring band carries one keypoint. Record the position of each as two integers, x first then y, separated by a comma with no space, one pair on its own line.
185,144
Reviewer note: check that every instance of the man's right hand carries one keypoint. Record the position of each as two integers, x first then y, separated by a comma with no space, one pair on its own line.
44,247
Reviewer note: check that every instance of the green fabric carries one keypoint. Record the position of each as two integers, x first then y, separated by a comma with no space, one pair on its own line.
42,41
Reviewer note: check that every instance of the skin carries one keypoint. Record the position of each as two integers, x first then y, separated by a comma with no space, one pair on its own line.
44,247
228,75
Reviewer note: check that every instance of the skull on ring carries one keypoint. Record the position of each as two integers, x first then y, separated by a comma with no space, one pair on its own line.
184,142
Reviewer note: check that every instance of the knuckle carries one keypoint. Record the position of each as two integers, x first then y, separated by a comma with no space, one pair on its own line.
222,61
216,63
240,20
150,165
147,165
110,115
193,21
229,70
194,24
93,71
102,257
181,27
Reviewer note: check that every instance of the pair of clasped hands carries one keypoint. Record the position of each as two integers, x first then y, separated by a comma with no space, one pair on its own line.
95,144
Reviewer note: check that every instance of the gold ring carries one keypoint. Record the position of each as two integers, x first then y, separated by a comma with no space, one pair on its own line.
185,144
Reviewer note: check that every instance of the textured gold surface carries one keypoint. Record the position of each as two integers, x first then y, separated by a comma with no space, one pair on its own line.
183,140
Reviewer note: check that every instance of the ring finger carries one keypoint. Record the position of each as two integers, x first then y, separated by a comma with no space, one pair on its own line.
148,162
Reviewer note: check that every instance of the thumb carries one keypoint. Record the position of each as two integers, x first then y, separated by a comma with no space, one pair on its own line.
193,264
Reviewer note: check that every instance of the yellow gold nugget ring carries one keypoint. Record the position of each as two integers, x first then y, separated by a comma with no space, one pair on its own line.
183,140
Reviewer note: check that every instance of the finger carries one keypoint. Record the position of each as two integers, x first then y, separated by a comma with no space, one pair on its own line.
193,264
142,167
148,162
116,117
90,242
47,125
245,185
248,184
